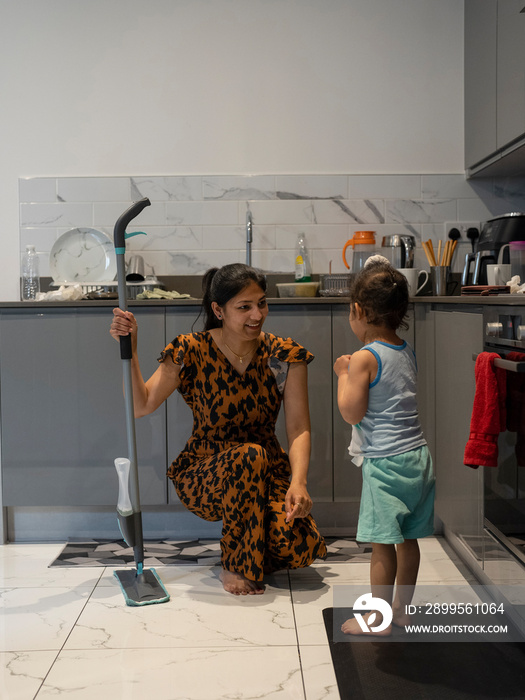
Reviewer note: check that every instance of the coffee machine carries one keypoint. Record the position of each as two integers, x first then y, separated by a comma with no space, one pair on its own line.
495,233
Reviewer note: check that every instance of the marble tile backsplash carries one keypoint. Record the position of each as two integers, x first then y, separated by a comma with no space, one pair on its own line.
199,221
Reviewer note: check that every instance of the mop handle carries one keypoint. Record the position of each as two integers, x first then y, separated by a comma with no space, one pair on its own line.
125,347
119,237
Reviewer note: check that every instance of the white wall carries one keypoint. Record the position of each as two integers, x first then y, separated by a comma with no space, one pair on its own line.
166,87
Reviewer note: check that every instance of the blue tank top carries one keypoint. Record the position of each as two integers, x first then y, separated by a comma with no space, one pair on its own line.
391,424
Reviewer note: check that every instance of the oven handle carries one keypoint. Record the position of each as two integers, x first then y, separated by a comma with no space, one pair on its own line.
509,365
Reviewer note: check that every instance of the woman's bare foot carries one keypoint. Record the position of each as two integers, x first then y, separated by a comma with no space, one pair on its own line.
351,626
238,585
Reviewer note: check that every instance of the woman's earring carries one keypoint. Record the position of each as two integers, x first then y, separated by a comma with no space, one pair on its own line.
220,318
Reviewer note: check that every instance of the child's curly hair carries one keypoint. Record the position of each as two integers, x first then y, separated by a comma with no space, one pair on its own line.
382,292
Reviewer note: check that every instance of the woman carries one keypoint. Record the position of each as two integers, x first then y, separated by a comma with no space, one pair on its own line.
234,378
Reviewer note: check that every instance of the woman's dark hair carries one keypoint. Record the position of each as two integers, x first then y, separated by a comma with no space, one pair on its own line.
222,284
382,292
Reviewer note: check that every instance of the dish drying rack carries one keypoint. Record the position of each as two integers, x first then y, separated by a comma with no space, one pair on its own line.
134,288
335,285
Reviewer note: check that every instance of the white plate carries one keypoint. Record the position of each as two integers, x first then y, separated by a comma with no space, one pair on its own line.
83,255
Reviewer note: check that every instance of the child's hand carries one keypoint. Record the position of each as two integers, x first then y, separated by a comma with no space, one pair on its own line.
341,365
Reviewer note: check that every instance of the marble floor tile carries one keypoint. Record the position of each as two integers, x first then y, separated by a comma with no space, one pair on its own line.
328,574
205,673
46,551
318,673
310,598
201,576
205,578
439,569
308,604
194,616
429,545
67,632
27,565
37,619
22,673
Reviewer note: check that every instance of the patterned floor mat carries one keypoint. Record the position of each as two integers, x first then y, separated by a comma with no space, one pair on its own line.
180,553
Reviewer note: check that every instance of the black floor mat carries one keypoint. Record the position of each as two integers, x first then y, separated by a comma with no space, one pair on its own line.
426,671
180,552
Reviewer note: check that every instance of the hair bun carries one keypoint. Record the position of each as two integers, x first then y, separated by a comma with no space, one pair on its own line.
373,259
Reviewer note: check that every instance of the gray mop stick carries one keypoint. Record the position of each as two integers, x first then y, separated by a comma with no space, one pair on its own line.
142,587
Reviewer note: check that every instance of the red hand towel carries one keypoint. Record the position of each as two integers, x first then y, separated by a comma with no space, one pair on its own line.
488,413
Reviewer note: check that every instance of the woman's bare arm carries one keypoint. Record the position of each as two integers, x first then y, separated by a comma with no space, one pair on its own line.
297,419
149,395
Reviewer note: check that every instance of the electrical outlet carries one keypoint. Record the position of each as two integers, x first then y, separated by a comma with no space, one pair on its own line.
462,227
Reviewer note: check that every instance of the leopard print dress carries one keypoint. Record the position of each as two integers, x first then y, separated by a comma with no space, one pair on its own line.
232,467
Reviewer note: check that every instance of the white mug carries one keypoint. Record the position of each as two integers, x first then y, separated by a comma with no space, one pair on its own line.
500,256
412,276
498,274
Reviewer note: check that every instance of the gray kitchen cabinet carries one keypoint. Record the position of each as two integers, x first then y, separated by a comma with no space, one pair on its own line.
308,325
458,335
63,420
179,417
511,71
495,87
347,477
480,79
425,355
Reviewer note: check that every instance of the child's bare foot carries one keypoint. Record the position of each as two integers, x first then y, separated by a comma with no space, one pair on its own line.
351,626
400,617
238,585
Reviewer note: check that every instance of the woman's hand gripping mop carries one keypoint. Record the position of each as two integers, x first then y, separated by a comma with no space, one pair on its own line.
143,586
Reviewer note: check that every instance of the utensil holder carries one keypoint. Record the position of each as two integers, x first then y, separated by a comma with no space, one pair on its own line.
135,271
439,279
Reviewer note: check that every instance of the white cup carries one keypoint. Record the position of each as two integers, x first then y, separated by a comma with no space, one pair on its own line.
412,276
501,251
498,274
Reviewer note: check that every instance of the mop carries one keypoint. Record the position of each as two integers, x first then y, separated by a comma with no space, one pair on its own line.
143,586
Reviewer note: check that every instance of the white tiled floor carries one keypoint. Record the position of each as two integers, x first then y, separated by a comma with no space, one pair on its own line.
68,633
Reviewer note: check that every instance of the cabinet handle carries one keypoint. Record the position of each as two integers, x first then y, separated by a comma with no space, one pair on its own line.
509,365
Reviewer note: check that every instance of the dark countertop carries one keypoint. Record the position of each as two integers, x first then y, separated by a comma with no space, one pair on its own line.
192,285
502,300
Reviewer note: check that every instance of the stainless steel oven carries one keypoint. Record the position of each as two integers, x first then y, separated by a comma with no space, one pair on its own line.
504,485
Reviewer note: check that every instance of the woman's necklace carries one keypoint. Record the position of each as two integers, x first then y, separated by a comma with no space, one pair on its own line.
239,357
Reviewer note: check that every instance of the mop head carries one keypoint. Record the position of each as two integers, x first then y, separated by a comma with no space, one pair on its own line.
141,588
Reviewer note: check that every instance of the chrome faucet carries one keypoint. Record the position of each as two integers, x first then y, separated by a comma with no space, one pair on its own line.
249,237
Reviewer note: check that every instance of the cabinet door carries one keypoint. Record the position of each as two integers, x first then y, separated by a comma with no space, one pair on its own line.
179,417
480,79
458,488
347,477
425,353
310,325
511,71
63,416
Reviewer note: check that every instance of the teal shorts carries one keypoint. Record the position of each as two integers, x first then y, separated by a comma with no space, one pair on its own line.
397,499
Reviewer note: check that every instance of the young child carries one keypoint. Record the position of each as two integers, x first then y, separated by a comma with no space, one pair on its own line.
376,394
